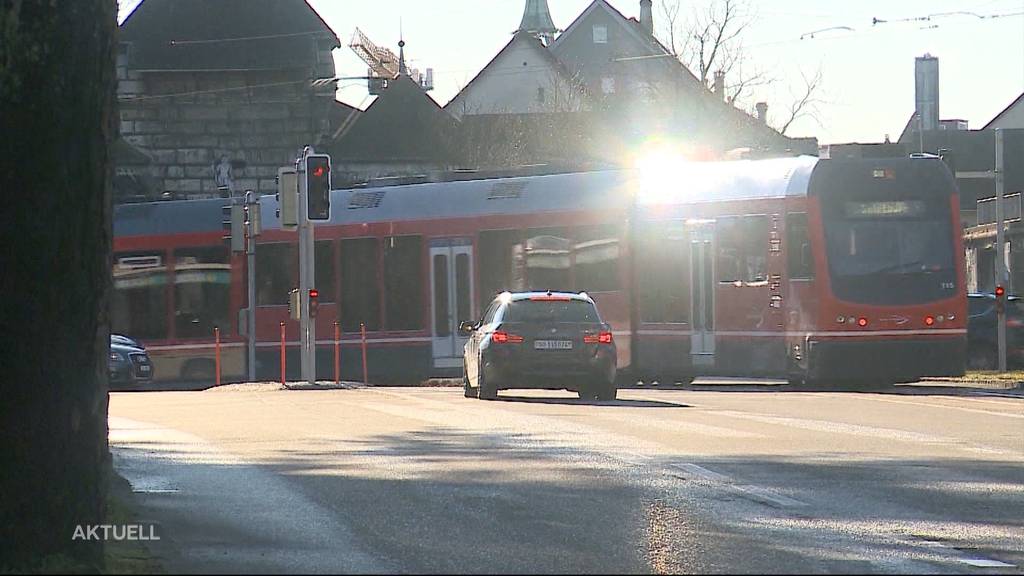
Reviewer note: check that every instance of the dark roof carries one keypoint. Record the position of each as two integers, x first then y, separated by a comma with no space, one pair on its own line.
1019,100
402,124
224,34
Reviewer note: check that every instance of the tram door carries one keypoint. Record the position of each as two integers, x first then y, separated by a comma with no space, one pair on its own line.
451,293
702,293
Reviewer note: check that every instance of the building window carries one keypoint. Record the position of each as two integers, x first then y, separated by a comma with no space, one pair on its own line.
600,34
608,85
202,292
276,273
139,307
360,293
403,283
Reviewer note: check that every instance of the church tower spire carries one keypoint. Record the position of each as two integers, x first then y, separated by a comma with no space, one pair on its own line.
537,21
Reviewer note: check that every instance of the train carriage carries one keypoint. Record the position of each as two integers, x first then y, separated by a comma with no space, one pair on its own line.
795,267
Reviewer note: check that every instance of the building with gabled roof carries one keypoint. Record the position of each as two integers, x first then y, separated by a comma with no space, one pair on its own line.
1010,117
217,92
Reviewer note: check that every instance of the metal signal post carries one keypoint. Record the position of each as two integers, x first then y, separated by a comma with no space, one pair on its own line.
314,179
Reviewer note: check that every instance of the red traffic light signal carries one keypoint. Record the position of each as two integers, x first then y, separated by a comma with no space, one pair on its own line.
314,302
318,187
1000,291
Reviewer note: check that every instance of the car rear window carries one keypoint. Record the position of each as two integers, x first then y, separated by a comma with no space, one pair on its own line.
551,311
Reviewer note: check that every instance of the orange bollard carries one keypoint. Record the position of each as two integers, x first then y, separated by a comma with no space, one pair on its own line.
337,353
362,329
216,352
282,354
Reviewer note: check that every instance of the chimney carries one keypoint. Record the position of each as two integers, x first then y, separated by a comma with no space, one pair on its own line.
647,16
762,112
720,83
926,91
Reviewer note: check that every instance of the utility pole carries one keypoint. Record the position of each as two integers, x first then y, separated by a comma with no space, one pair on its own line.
1001,272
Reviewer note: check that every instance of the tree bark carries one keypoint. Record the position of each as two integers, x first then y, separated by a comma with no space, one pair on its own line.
56,124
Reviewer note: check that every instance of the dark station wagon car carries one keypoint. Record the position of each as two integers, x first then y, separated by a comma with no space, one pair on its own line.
545,340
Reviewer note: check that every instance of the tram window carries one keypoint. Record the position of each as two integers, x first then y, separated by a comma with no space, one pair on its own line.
202,292
139,304
324,270
496,248
755,240
276,273
403,283
663,276
730,249
442,327
743,249
798,247
544,257
360,291
596,258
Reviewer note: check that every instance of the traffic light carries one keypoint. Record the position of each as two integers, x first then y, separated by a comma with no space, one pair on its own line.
314,302
233,223
1000,299
288,198
318,187
294,305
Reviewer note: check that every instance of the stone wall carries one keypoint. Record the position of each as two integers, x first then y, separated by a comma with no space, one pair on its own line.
206,129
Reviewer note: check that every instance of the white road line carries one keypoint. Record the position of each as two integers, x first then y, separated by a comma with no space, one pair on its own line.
756,493
986,563
947,406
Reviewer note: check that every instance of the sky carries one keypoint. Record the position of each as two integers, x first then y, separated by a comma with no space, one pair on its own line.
867,89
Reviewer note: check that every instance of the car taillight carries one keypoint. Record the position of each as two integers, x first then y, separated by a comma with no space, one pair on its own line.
502,337
600,338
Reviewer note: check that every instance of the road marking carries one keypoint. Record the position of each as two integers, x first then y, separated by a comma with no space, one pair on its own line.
756,493
986,563
931,405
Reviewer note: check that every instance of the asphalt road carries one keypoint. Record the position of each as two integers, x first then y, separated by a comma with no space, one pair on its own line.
726,478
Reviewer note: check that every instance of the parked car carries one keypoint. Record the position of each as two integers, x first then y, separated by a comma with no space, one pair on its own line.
121,339
982,342
129,365
546,340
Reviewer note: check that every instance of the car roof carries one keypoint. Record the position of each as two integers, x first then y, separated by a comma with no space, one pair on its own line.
517,296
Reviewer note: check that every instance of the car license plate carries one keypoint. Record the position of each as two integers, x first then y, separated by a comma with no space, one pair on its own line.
552,344
144,368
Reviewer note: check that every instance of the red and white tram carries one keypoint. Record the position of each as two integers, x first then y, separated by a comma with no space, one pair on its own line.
802,268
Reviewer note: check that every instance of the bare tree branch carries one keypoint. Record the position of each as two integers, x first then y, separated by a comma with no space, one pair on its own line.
806,103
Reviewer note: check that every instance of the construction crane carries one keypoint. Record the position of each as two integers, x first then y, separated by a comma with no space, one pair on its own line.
384,65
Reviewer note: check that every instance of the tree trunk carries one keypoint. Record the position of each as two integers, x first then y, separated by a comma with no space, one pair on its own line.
56,125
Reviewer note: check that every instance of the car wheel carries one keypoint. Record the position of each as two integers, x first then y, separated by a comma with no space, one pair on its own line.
982,358
485,390
467,390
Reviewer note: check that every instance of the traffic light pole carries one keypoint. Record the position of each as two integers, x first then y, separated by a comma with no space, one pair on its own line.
1001,272
251,231
307,279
